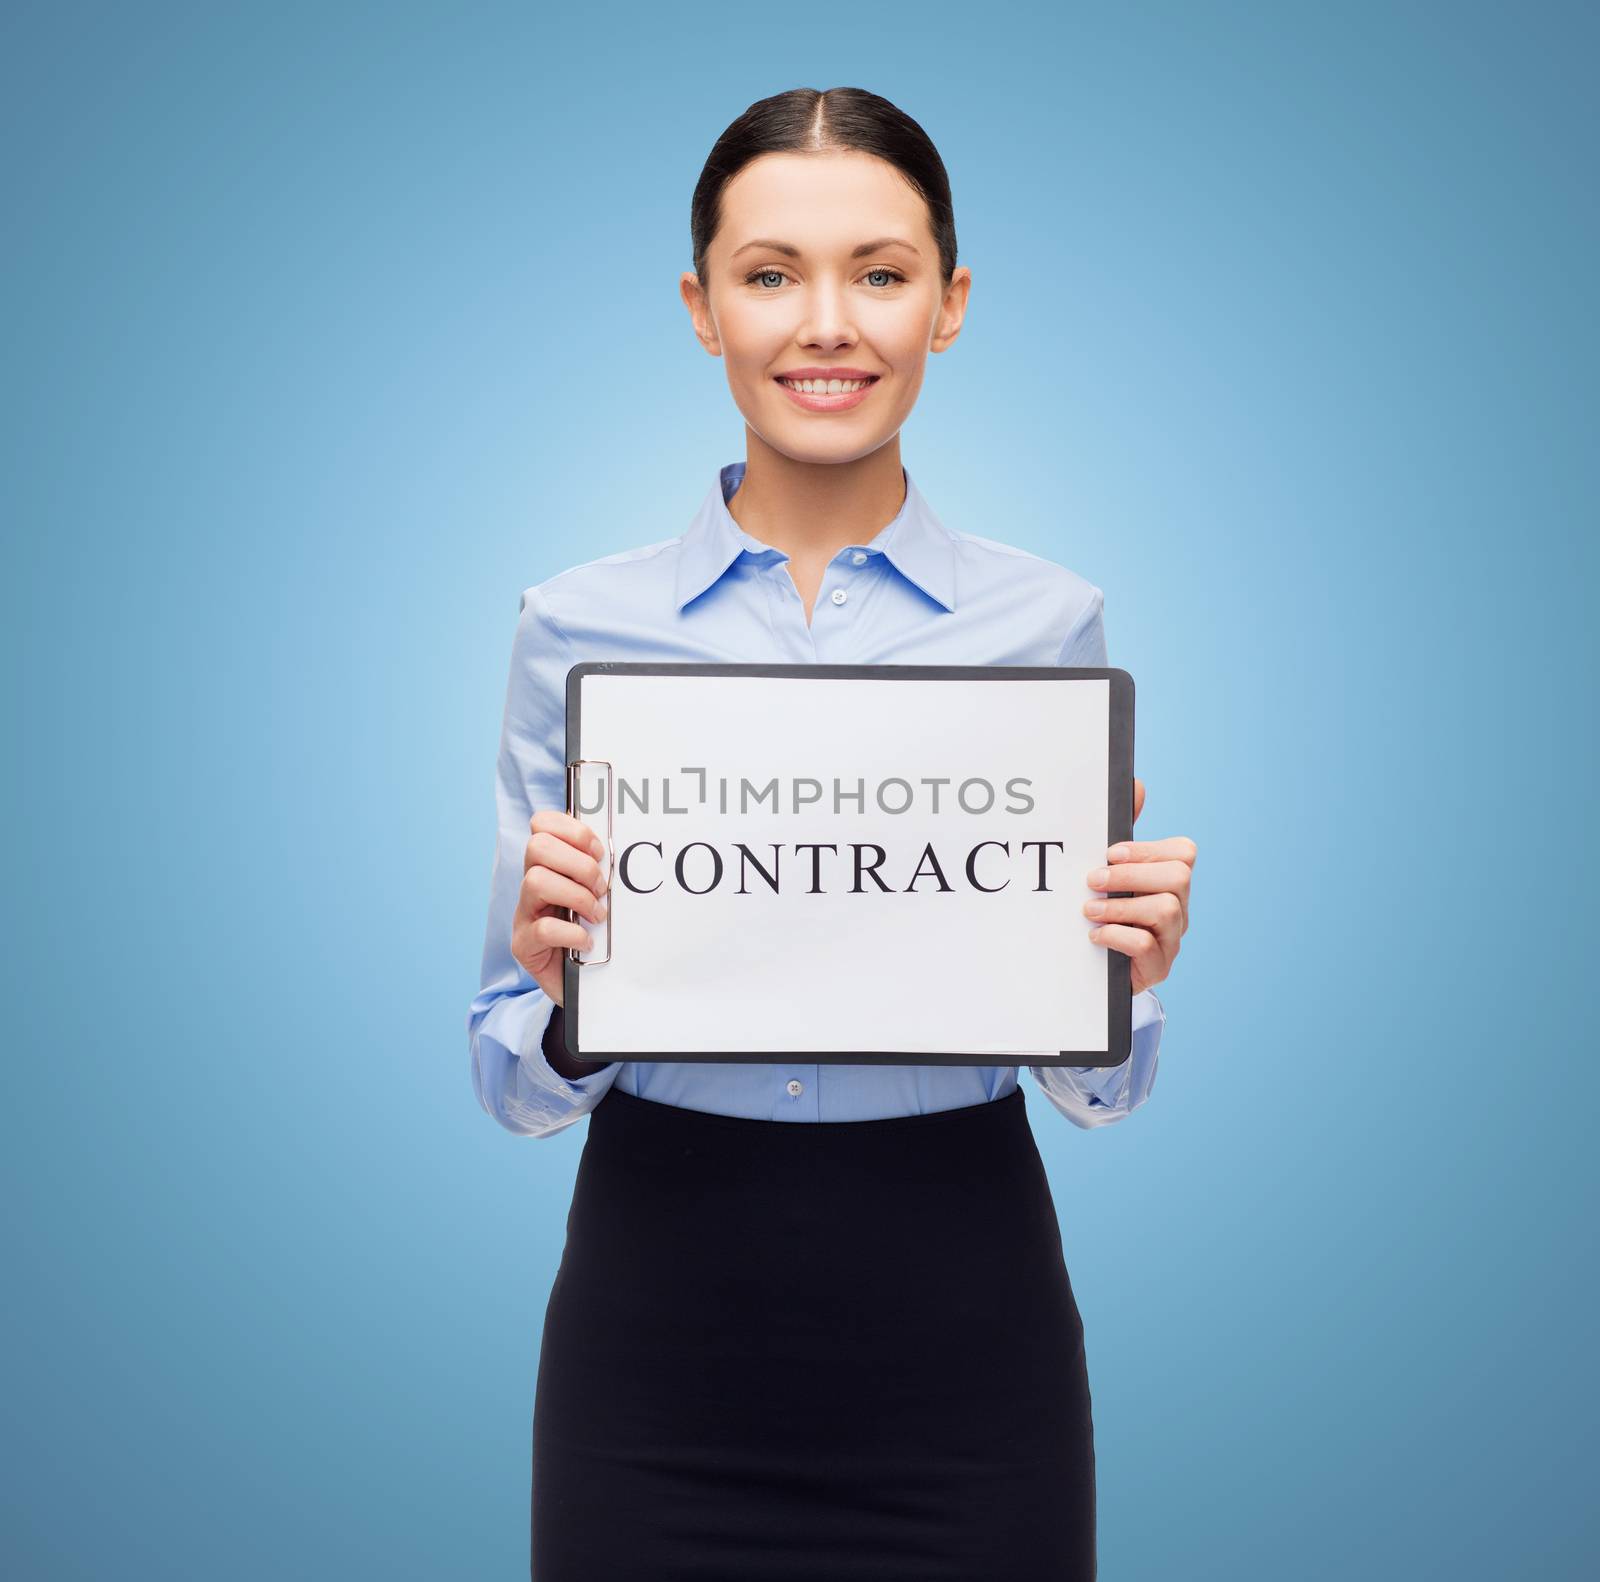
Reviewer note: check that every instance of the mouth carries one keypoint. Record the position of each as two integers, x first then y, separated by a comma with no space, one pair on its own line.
827,393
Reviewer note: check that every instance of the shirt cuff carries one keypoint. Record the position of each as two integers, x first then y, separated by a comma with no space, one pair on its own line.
1097,1095
1109,1084
547,1028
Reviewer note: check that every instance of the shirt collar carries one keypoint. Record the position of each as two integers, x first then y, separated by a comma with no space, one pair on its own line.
916,543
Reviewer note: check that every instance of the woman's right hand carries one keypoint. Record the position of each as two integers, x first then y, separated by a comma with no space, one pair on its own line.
560,869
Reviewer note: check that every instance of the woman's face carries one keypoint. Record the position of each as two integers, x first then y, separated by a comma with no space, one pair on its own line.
824,266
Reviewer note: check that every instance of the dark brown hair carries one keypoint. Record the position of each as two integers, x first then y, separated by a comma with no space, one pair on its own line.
809,120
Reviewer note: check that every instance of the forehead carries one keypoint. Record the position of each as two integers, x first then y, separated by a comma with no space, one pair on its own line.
826,201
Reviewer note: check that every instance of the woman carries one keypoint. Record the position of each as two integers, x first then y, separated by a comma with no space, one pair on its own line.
845,1347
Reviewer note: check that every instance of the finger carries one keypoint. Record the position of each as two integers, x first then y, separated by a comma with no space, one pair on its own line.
560,934
1139,945
1179,847
549,932
552,851
1138,798
570,829
1141,877
532,941
1162,915
1145,878
543,887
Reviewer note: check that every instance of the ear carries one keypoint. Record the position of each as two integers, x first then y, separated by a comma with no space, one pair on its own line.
952,310
694,298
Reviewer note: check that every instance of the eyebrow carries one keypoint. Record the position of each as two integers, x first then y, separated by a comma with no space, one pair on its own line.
789,250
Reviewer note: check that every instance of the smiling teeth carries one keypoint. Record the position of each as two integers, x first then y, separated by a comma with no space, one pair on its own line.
826,386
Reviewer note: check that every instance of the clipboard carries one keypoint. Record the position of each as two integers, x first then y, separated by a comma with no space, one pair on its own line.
672,726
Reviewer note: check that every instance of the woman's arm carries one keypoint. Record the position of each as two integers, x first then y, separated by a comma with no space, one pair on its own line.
1098,1095
513,1074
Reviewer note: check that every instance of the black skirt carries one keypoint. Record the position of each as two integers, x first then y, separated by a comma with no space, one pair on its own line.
812,1350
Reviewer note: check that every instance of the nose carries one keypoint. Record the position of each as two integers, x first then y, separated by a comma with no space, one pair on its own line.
827,324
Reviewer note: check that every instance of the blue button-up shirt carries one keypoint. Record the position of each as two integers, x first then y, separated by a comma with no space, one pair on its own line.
916,594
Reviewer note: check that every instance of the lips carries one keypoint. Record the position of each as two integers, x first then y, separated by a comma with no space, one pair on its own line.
826,371
827,401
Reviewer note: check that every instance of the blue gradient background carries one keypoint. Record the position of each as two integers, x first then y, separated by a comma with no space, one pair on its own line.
331,328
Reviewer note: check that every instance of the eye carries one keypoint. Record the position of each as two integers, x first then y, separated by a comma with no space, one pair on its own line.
894,276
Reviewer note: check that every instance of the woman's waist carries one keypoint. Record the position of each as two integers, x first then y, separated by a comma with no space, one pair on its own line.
797,1093
640,1145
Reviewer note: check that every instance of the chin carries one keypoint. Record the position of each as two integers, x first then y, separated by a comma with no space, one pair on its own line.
818,450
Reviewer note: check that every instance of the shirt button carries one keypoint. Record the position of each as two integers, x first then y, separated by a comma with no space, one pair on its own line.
859,558
839,595
796,1087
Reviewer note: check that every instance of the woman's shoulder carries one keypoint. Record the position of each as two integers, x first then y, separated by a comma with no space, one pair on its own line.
628,589
602,566
1005,563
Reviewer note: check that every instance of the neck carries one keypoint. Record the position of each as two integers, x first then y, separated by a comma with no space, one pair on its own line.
811,510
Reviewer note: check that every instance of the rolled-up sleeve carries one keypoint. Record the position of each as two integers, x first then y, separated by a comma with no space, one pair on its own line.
1097,1095
506,1022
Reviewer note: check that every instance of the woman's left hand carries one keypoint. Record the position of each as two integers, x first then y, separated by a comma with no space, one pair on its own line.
1147,926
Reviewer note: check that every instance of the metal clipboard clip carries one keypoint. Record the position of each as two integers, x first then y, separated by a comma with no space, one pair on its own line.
573,766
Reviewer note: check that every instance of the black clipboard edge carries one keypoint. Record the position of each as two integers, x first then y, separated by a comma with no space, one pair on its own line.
1119,769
